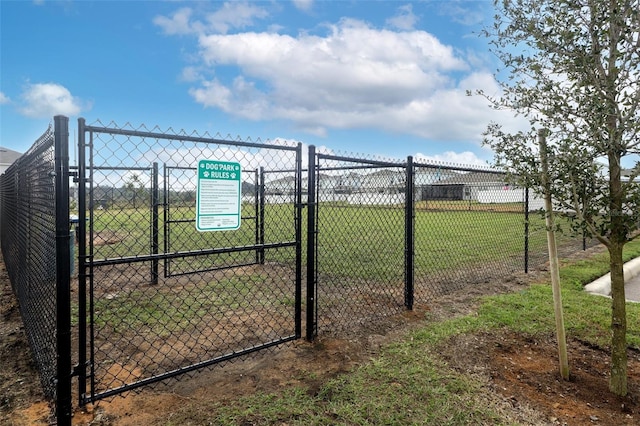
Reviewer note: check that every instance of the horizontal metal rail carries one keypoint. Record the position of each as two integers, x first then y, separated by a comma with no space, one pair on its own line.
184,138
190,253
180,371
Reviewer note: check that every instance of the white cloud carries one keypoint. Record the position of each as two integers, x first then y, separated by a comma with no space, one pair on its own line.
231,15
305,5
469,13
190,74
178,23
404,19
4,99
48,99
235,15
449,114
354,76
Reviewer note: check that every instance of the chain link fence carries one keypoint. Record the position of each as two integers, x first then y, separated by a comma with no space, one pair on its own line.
190,247
182,264
28,230
473,226
389,233
360,242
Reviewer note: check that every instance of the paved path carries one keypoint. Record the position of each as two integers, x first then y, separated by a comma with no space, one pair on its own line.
602,285
632,289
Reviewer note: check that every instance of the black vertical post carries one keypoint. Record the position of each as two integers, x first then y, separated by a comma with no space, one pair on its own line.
90,293
298,225
260,215
256,207
409,243
526,230
155,219
63,272
311,245
81,236
165,216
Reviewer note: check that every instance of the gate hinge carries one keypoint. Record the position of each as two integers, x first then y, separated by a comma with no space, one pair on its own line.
77,369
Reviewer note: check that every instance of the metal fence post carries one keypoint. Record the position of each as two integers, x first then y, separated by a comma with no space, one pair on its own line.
155,219
298,231
260,218
166,202
409,243
81,235
63,271
526,230
311,244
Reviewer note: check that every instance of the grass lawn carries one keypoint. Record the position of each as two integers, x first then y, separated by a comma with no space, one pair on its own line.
408,383
354,241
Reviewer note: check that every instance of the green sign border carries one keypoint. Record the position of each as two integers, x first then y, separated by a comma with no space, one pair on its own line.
224,172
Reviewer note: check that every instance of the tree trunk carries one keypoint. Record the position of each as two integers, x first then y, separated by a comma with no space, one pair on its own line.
618,237
618,382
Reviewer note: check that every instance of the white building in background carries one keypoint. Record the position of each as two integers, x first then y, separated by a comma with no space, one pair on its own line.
7,157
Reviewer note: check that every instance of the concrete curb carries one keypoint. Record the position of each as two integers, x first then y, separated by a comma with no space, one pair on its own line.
602,286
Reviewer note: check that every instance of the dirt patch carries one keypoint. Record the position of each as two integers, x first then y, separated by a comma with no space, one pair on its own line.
525,371
520,371
107,237
21,398
298,363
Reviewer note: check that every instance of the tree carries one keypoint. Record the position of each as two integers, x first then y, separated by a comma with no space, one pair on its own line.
573,67
135,187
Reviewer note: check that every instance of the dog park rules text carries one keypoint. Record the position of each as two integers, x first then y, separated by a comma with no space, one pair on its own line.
218,195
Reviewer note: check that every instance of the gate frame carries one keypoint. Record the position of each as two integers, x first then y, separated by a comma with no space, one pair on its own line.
86,262
312,228
258,219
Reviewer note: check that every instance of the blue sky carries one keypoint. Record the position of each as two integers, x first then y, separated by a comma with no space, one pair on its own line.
383,78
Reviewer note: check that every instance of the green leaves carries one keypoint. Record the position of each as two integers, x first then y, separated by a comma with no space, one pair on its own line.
576,73
573,68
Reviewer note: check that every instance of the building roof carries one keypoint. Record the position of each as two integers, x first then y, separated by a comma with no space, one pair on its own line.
8,156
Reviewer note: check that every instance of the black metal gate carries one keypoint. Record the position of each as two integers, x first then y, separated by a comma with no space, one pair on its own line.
178,198
360,250
221,294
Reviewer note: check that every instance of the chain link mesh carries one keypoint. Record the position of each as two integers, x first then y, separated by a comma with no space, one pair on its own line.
155,298
360,239
164,297
28,229
469,226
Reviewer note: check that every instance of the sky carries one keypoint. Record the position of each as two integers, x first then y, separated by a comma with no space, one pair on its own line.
381,78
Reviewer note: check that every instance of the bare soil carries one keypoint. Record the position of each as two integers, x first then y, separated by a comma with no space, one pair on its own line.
520,372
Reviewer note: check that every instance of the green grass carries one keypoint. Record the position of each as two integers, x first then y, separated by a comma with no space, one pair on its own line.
163,312
587,317
409,384
353,241
132,229
369,242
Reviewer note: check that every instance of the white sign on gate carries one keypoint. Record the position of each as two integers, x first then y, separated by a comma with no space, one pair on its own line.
218,195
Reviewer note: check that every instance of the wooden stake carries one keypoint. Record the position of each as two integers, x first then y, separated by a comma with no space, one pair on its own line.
553,257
